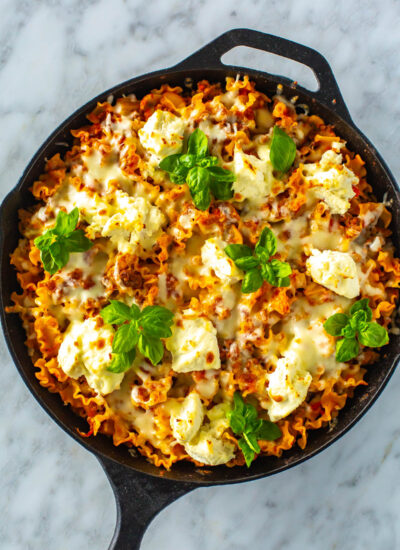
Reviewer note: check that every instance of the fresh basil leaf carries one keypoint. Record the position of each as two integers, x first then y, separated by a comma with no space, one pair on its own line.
374,335
251,441
121,362
266,243
125,338
222,190
281,269
59,252
239,403
198,182
236,251
134,312
49,264
268,431
179,175
157,312
66,223
362,305
248,453
150,347
187,160
247,262
156,321
358,319
268,274
250,412
282,282
207,162
336,323
346,349
348,331
252,281
236,422
243,419
283,150
77,241
198,144
202,199
221,174
156,328
56,243
43,241
262,254
116,313
198,179
170,163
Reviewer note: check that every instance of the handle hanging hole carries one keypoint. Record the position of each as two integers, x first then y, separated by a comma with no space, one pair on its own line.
253,58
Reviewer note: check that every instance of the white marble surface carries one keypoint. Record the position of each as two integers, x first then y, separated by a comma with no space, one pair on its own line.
55,55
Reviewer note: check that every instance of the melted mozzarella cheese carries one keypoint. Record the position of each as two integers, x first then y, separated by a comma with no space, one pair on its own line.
254,175
336,271
194,345
333,181
79,281
86,351
102,169
303,234
162,135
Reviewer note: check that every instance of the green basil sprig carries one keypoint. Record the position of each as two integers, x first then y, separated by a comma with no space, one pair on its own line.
282,151
355,328
257,263
141,329
56,244
199,170
244,421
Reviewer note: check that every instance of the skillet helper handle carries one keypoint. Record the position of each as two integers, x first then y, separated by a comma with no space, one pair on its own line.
139,498
210,55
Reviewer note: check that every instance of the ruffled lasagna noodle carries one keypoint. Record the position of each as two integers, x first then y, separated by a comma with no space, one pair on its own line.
152,246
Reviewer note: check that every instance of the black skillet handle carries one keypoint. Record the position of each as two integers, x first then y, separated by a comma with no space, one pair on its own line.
139,498
210,55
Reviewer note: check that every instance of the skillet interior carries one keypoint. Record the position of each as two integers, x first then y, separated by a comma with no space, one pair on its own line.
377,377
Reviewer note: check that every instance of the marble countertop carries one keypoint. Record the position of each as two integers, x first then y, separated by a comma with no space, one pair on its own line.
54,56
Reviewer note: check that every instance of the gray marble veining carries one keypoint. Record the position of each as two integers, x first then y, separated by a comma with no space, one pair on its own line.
54,56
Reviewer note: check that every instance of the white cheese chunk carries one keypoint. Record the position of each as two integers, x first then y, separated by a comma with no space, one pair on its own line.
333,180
288,386
162,135
194,345
336,271
86,351
135,220
187,419
208,446
254,175
214,257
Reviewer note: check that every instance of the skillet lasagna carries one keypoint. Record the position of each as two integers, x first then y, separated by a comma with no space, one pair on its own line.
206,275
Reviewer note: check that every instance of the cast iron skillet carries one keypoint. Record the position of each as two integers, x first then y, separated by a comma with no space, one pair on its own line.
142,490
